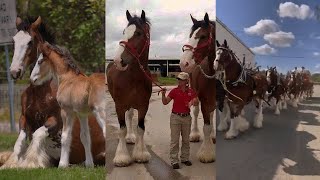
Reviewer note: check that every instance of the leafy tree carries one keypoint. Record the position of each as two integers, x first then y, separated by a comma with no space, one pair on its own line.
79,25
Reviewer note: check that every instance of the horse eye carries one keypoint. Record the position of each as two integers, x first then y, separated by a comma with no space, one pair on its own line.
30,43
202,37
138,33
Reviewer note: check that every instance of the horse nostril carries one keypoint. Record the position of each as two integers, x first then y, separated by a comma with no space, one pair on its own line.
187,64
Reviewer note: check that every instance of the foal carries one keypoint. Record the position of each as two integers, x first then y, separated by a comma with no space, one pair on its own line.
77,95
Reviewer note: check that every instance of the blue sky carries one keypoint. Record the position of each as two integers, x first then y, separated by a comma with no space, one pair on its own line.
297,43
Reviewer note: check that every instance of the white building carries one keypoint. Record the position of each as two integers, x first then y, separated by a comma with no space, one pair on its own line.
235,44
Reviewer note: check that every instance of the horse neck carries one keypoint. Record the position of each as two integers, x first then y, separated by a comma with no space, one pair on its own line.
233,70
143,61
60,68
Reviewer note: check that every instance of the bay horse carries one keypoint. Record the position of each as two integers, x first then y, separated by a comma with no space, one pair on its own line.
197,59
276,88
130,87
41,112
241,89
294,86
307,84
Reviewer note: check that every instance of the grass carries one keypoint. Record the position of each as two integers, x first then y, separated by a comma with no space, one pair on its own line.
167,81
7,141
76,173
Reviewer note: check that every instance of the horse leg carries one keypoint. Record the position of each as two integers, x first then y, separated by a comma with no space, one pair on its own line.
66,136
213,117
258,118
285,106
20,146
195,133
233,130
295,101
277,111
19,149
86,139
131,137
225,115
140,153
242,124
122,157
101,116
206,153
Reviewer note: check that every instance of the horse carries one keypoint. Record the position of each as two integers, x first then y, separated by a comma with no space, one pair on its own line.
294,86
276,88
241,89
129,83
37,103
307,84
197,59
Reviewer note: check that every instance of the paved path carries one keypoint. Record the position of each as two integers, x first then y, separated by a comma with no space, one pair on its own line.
287,147
157,138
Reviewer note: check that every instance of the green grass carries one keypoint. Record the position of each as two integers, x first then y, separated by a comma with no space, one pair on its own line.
7,141
167,81
76,173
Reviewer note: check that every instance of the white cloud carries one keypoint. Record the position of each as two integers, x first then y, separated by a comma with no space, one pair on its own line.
264,26
280,38
264,50
170,21
292,10
317,54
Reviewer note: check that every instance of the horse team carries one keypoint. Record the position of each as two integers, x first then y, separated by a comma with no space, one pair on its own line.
242,85
64,112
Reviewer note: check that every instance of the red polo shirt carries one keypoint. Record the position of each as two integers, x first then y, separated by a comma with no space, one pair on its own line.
181,99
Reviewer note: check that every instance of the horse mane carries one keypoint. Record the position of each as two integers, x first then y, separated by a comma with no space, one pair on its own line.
43,29
201,24
138,21
67,57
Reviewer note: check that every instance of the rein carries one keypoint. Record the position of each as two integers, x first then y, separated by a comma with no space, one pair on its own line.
133,51
197,51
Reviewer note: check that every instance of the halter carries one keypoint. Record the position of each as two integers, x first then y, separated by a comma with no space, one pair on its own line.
133,51
197,51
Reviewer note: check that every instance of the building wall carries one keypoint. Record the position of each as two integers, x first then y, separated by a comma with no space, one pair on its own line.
234,43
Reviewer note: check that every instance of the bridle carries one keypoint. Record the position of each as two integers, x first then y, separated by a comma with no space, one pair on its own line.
133,51
198,51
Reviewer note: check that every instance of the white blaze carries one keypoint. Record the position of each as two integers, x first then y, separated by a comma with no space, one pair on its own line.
216,60
187,56
128,33
21,41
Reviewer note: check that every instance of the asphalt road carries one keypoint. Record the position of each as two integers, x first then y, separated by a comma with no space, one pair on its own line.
157,138
287,147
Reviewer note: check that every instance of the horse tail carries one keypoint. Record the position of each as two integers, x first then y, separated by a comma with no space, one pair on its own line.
4,156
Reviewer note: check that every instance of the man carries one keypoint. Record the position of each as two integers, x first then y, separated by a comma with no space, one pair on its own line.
180,119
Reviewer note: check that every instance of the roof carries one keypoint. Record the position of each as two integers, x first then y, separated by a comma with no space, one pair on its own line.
225,27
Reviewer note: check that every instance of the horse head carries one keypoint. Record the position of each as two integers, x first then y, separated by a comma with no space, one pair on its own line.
134,48
200,44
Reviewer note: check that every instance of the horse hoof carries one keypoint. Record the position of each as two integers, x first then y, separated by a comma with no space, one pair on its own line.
122,161
142,156
231,135
63,165
131,139
194,136
222,127
89,164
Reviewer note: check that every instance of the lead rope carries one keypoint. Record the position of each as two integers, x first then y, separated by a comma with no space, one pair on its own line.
225,86
205,75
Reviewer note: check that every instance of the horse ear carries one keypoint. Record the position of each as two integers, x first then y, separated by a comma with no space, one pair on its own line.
218,44
206,18
225,43
193,19
37,22
18,21
128,15
143,16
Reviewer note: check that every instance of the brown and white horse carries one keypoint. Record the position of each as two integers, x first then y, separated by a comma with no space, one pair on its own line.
197,59
130,86
77,95
40,119
276,88
241,89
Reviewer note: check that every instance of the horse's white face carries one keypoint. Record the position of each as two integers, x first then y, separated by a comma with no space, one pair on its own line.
187,62
127,35
216,64
22,41
269,76
41,72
